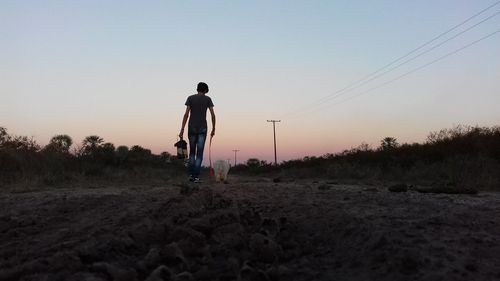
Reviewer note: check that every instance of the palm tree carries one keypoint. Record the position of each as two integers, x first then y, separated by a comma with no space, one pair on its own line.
60,143
388,143
91,144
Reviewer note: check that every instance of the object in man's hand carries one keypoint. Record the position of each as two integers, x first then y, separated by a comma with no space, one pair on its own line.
181,149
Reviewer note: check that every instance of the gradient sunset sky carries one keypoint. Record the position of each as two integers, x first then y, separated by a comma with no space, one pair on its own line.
123,70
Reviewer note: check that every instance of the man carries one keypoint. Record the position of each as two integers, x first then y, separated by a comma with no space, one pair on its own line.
196,110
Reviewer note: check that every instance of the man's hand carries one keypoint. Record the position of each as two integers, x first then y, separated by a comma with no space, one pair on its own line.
181,134
213,132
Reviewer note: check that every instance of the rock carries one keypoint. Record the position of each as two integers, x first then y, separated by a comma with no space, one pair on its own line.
174,256
223,217
184,276
270,227
221,202
161,273
116,273
186,189
324,187
279,272
201,224
152,258
250,273
181,233
230,235
16,272
272,273
398,188
224,268
410,262
447,190
264,248
189,240
284,271
142,232
471,266
250,218
65,260
89,252
86,276
203,274
381,243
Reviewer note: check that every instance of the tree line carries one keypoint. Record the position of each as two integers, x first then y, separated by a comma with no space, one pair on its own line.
22,158
462,155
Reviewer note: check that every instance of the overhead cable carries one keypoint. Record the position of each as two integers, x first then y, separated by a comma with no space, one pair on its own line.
370,77
411,71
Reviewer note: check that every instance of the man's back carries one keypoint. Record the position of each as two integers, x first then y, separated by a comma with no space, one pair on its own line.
198,103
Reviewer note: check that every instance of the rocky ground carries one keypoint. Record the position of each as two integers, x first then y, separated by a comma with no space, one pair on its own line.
249,229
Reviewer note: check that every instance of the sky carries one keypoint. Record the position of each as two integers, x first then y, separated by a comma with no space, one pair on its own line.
122,70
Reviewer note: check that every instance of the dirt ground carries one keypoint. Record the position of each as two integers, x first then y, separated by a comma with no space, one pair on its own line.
248,229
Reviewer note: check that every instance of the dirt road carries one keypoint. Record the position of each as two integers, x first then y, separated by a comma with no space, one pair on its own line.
250,229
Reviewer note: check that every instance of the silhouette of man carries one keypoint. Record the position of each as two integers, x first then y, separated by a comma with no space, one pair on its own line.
196,110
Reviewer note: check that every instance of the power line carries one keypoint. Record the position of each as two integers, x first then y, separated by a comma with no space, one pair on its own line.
356,83
415,69
404,62
430,49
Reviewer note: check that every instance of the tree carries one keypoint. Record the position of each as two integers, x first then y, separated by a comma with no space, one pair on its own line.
23,143
108,147
364,147
138,155
60,143
253,163
388,143
165,157
107,153
19,143
4,137
121,154
91,144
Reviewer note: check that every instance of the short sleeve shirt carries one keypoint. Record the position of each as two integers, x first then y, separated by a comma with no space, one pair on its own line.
199,105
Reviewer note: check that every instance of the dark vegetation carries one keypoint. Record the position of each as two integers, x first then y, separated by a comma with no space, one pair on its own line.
461,157
22,160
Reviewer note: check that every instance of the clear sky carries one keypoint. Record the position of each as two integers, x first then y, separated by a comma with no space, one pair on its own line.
123,70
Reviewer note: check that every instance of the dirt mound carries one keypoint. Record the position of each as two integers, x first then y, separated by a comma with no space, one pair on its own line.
203,236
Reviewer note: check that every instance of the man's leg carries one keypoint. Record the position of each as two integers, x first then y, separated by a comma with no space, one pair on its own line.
192,153
200,146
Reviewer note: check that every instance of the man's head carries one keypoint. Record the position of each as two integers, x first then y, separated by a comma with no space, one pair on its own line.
202,87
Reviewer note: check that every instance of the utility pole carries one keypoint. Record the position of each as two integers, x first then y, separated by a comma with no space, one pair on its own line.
274,131
235,151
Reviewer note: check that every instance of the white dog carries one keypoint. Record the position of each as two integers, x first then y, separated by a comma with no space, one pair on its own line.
221,168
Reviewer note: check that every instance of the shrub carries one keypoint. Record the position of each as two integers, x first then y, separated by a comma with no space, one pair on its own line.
21,158
468,156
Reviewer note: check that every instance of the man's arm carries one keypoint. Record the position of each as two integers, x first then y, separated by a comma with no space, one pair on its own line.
213,120
184,120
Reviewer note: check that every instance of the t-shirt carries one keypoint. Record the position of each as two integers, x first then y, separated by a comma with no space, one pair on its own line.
199,105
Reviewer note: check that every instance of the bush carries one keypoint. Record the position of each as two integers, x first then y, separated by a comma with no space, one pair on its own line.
21,158
468,156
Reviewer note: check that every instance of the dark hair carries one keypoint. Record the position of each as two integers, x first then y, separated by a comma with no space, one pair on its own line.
202,87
